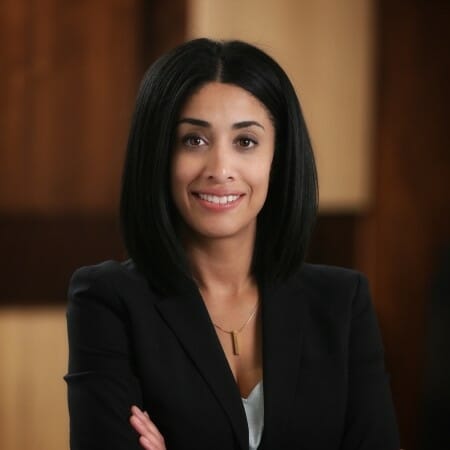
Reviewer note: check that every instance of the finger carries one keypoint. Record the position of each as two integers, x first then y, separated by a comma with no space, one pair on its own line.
146,438
146,444
145,426
149,445
145,419
152,431
142,428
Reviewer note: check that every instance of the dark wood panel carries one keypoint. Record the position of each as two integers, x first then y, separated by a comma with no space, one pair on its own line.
70,72
163,27
402,238
40,253
69,75
333,240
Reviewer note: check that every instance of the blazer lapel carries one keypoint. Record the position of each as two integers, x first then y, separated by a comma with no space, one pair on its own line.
283,310
189,320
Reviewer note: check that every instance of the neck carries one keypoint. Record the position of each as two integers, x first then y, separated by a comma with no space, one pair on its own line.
221,265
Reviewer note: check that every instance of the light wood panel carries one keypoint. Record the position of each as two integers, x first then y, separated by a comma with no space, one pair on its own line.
33,355
327,49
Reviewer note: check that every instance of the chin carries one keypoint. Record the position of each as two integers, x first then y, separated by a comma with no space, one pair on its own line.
215,233
220,231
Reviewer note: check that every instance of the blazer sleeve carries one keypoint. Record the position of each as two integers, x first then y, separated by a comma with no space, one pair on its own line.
101,383
370,417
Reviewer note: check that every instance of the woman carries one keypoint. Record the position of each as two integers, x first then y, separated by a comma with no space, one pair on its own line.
215,327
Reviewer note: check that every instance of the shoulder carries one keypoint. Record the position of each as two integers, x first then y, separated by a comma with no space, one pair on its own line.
338,305
333,274
107,269
106,272
109,281
332,288
330,278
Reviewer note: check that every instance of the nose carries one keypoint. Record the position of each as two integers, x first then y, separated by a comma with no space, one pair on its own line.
220,164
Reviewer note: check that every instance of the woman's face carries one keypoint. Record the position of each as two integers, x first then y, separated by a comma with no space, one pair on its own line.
221,163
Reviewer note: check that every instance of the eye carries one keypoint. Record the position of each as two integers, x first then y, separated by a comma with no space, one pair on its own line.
193,140
246,142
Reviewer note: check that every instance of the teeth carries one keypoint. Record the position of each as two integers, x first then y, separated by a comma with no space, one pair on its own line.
219,200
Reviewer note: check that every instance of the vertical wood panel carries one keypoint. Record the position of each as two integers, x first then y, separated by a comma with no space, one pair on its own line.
402,239
33,351
70,76
13,93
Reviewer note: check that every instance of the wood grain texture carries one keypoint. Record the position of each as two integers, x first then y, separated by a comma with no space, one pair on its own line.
33,355
69,75
70,72
402,240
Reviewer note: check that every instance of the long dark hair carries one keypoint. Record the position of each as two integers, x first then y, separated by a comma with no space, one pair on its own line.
147,213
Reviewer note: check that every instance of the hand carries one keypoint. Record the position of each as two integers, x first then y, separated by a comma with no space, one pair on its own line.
150,437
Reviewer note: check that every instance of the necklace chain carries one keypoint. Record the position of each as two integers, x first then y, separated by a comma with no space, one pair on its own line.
234,333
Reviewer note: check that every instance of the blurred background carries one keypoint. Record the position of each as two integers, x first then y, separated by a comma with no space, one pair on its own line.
373,79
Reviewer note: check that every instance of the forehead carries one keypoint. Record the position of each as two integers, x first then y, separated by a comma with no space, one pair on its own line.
223,101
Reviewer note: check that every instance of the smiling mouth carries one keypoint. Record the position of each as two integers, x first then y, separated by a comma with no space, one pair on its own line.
218,199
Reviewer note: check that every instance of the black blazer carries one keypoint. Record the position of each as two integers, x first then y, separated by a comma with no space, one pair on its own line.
325,386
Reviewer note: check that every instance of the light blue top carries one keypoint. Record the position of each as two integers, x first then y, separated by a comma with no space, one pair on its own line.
254,410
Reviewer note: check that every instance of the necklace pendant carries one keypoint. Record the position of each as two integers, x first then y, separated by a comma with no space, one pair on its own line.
234,337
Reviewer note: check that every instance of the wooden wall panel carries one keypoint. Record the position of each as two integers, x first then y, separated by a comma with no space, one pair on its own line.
44,251
33,355
401,242
69,75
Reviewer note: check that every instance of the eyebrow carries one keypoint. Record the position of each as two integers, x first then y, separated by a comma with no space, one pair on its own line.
205,124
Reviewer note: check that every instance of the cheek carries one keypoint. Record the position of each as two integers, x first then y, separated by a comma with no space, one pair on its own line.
261,177
182,173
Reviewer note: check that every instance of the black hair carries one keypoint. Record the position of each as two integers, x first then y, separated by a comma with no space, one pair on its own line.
147,214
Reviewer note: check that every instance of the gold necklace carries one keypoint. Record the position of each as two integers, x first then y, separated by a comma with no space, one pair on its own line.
234,333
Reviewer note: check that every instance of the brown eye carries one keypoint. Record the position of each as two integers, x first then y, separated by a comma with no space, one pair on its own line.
246,142
193,141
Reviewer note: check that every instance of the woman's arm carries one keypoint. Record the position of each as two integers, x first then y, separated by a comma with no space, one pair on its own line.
101,383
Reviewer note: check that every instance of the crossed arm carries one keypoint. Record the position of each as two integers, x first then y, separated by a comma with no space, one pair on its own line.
103,386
